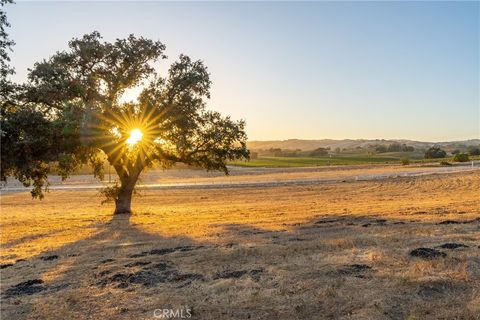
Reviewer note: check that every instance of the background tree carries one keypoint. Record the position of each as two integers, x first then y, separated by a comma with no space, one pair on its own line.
319,152
380,148
5,46
461,157
435,153
394,147
473,150
406,148
72,112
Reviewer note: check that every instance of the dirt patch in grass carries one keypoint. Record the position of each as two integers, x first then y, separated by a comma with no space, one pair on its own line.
437,289
149,276
355,270
161,252
427,253
25,288
451,245
49,258
253,273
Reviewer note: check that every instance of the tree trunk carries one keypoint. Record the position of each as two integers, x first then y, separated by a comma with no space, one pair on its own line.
124,201
128,179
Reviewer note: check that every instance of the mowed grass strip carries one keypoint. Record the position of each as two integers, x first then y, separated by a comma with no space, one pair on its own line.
286,162
312,161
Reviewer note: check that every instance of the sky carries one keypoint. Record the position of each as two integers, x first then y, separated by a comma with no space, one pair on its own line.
305,70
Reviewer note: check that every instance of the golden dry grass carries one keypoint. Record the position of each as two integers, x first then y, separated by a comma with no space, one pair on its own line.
293,248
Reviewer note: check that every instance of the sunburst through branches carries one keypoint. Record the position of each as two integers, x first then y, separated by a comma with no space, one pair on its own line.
135,137
131,133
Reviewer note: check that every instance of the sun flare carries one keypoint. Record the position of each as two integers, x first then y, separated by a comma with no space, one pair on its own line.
135,136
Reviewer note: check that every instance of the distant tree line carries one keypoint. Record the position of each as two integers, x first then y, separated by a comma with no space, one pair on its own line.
470,150
278,152
393,147
436,152
473,151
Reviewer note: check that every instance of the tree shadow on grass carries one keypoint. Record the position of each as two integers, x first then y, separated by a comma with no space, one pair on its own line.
118,255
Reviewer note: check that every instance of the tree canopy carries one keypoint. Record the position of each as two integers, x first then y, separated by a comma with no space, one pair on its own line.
435,153
474,150
5,46
74,110
461,157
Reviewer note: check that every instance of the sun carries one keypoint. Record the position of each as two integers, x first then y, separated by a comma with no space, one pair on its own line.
135,136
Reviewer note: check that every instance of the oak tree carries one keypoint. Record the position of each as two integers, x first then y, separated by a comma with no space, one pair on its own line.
73,111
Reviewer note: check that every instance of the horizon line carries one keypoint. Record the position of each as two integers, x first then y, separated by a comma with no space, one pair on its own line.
365,139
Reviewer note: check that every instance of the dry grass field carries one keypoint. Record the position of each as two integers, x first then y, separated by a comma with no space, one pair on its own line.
326,251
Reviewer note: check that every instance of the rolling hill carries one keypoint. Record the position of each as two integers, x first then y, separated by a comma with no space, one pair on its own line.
293,144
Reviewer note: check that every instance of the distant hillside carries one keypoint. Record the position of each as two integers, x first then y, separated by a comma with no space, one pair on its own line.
293,144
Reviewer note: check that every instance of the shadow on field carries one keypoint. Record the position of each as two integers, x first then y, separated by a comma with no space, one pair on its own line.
333,266
106,258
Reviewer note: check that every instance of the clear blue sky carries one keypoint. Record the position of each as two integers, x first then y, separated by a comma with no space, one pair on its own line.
308,70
